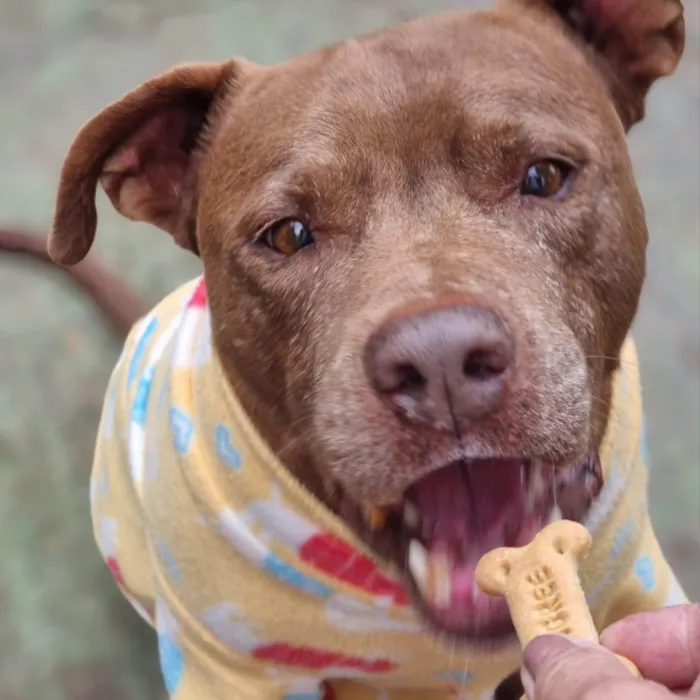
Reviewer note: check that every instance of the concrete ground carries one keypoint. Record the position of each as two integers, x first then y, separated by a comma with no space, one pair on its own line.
64,632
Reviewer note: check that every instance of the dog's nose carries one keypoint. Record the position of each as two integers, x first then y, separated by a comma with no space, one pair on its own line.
446,367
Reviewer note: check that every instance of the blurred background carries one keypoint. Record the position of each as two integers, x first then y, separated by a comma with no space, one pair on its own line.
65,633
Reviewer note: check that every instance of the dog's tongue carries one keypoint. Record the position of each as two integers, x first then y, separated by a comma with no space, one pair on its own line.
463,502
465,511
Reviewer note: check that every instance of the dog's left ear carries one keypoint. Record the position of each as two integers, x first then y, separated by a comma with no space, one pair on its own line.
633,43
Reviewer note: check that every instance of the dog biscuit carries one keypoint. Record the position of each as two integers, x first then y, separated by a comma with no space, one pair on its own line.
541,585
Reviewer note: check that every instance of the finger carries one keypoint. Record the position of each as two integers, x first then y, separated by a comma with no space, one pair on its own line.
556,667
664,644
631,689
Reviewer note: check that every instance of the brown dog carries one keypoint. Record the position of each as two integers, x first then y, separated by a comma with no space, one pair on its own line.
434,243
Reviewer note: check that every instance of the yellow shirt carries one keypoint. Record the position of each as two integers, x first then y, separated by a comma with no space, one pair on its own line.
259,592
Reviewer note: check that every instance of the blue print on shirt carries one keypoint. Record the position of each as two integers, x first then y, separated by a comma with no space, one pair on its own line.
143,392
140,349
621,539
183,429
168,560
172,663
461,677
288,574
228,453
644,568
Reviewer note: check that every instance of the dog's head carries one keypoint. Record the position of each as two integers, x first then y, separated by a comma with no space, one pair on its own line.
423,249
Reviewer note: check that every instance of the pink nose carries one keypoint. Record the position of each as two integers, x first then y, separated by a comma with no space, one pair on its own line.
445,367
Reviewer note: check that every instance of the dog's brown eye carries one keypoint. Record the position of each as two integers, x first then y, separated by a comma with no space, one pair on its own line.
545,178
288,236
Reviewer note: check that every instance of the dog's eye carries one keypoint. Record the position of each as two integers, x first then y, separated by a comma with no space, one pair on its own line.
545,178
288,236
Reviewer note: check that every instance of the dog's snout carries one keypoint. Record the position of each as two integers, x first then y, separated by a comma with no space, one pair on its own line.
446,367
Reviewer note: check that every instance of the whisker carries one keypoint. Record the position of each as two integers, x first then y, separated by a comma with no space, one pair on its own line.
614,359
606,410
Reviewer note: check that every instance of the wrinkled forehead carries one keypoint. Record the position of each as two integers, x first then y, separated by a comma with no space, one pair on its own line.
431,77
451,86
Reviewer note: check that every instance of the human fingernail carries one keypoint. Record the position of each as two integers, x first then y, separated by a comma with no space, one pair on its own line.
583,643
542,649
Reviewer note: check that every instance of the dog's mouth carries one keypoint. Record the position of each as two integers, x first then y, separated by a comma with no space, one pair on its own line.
449,519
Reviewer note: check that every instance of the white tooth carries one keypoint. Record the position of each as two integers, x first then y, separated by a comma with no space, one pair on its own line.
535,488
555,515
411,516
443,593
476,592
539,481
530,500
439,564
418,565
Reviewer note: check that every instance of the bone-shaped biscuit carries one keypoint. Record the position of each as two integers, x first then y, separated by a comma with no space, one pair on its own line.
541,585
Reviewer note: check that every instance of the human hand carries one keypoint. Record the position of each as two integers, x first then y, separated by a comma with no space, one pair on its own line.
663,644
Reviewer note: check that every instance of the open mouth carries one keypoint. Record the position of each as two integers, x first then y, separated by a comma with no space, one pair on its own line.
449,519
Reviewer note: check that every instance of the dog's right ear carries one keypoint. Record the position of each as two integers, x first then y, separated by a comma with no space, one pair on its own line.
143,151
632,42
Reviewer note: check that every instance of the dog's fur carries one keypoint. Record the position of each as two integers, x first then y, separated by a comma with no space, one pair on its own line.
404,152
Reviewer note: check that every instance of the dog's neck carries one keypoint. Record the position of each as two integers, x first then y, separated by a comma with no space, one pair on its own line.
288,440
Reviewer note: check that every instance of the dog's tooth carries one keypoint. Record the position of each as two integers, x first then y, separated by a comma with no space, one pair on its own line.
443,592
376,517
431,572
530,498
418,565
411,516
439,576
540,483
535,488
555,515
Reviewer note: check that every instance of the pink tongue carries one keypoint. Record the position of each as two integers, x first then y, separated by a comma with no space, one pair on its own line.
467,508
469,501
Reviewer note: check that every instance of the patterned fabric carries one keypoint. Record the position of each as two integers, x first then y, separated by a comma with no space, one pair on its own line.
256,590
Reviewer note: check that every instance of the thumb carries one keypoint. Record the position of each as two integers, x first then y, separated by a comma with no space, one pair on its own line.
556,667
